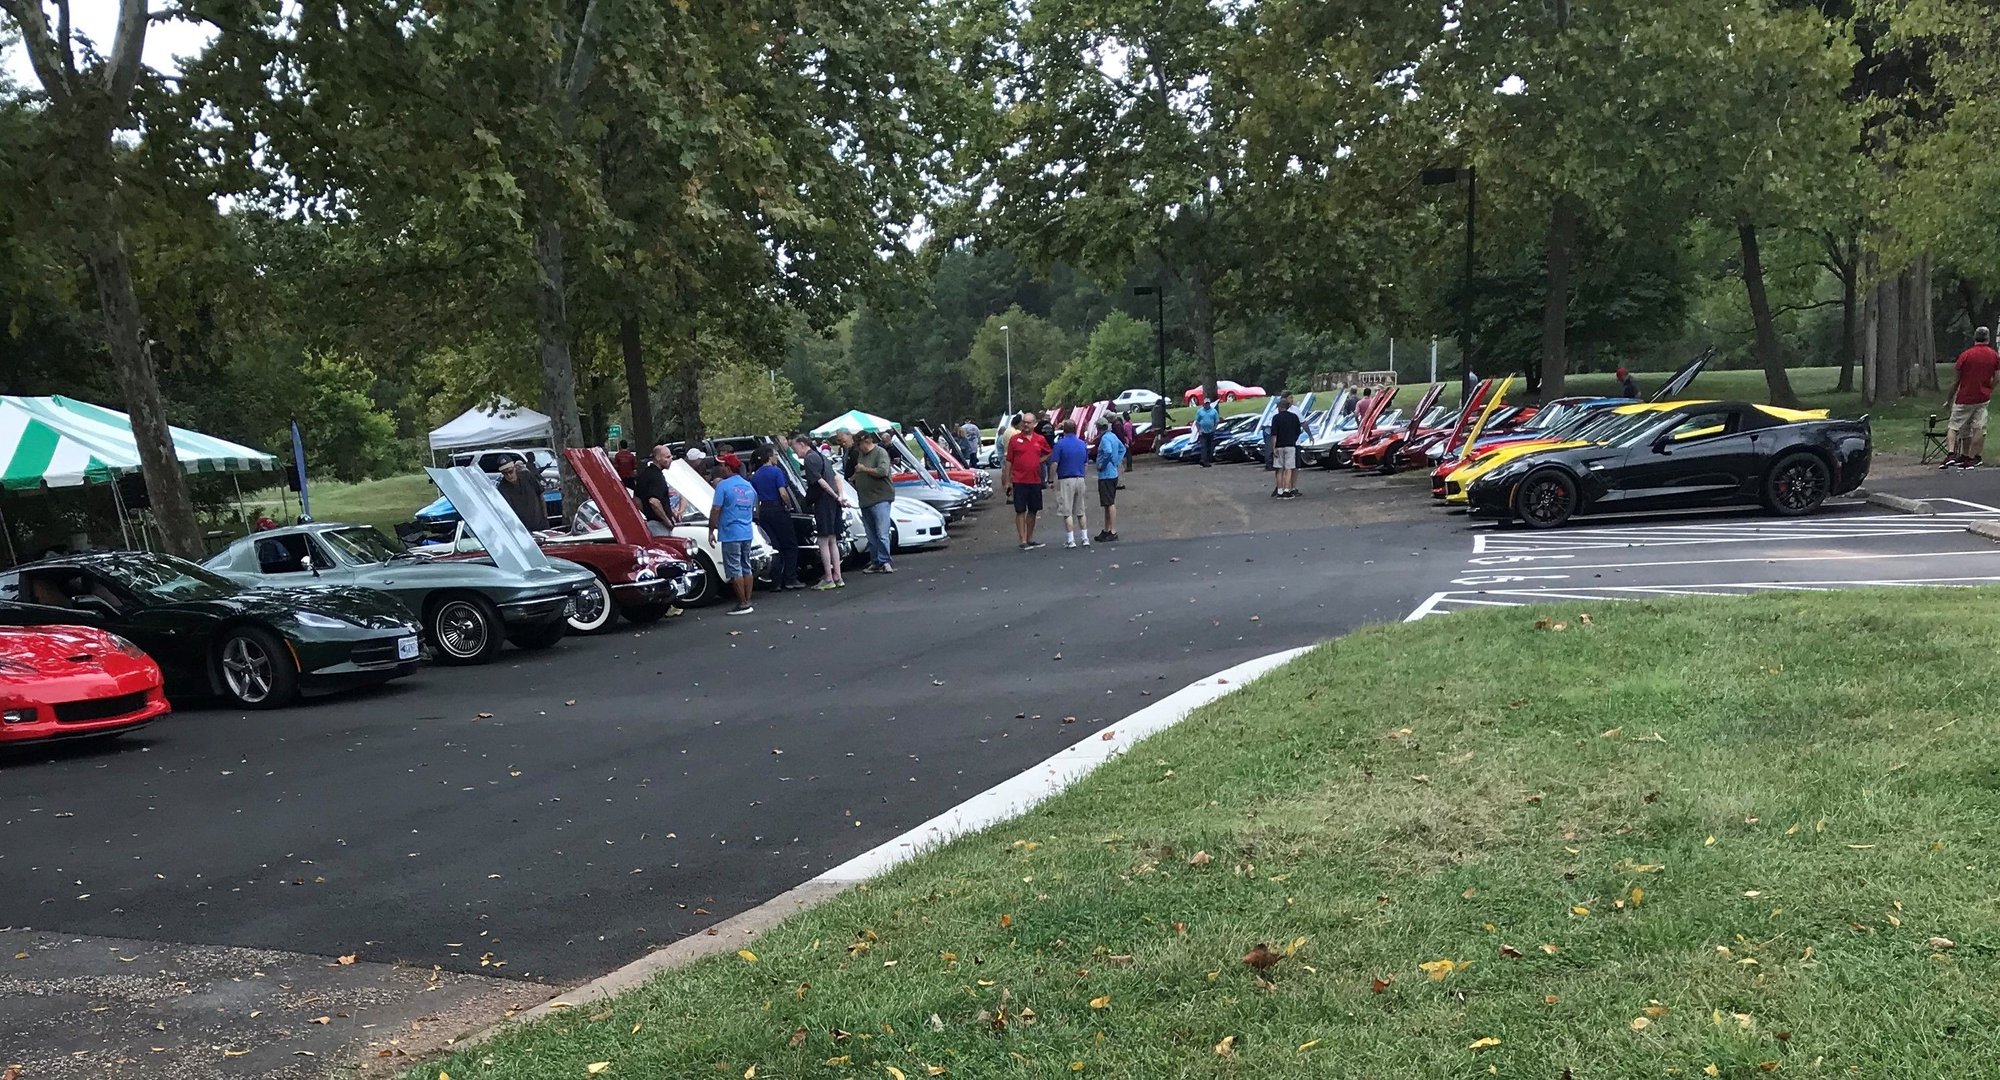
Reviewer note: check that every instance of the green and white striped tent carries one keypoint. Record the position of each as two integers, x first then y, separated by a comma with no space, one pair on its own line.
62,442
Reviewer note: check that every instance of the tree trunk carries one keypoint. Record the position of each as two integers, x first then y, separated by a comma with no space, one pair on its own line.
132,356
1555,300
1202,312
558,370
1871,334
1888,338
1850,302
638,391
1779,384
1923,326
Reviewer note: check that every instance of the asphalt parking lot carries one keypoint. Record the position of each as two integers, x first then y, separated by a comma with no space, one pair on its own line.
475,839
545,819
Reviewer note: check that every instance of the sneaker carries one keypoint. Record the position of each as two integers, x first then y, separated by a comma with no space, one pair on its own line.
1034,545
1950,462
1277,494
740,609
1085,542
1069,543
886,569
826,586
1110,538
841,584
1024,545
674,612
1971,463
871,568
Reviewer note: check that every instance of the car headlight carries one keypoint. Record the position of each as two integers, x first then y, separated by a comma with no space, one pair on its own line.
126,647
318,621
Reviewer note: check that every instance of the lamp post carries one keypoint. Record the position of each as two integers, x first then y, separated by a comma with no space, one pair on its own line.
1433,177
1007,333
1159,296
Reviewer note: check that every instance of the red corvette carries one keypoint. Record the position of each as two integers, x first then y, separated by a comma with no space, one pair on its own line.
65,682
1385,447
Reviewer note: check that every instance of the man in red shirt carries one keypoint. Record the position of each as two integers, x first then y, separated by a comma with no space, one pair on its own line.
625,463
1966,438
1026,453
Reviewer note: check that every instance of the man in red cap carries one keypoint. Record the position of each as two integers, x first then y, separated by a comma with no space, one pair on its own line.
1966,438
1627,385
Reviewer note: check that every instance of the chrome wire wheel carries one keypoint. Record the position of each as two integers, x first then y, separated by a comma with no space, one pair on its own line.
462,629
247,670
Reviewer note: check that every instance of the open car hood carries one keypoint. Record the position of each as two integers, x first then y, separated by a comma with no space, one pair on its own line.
1371,410
1682,379
1425,404
478,502
593,469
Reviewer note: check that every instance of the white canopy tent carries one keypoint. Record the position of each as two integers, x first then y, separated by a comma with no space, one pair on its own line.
503,424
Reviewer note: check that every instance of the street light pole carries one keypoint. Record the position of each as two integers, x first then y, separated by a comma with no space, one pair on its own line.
1159,295
1007,332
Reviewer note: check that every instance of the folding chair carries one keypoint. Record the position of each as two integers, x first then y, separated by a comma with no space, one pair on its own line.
1935,446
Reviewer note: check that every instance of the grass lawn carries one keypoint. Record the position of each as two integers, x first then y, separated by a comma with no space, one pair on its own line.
1721,837
382,503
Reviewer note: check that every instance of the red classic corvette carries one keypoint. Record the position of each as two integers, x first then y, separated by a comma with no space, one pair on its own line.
65,682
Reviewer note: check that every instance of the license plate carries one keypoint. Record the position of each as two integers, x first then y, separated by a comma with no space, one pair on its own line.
406,648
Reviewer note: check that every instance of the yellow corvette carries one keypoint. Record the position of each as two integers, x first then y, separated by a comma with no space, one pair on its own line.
1595,427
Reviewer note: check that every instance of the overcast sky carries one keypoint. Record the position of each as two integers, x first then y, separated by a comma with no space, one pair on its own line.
98,20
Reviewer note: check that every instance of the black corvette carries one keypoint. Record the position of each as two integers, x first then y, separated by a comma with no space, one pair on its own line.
257,648
1702,453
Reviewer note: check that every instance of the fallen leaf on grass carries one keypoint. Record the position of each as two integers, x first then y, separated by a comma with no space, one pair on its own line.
1550,999
1940,943
1611,733
348,960
1101,1002
798,1038
1510,952
1201,858
1226,1047
748,956
596,1067
1481,1044
843,1059
895,1073
1379,985
1261,957
1438,969
1006,921
1641,1023
1296,944
1656,1010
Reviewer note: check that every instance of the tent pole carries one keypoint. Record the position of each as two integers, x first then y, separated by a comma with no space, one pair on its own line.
242,518
7,532
118,505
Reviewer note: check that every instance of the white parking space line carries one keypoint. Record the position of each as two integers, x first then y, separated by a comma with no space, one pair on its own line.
1439,603
1705,533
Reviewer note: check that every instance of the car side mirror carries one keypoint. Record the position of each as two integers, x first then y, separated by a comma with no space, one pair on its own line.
306,562
1661,442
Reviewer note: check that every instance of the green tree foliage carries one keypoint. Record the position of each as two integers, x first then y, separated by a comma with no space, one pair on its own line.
1118,357
739,397
1039,350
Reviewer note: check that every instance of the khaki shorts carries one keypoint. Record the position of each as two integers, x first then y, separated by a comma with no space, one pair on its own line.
1069,496
1968,421
1285,457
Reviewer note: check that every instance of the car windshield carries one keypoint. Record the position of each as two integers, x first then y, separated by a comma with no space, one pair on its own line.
165,578
361,544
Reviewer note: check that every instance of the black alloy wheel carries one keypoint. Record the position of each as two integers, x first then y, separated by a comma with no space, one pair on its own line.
1797,485
1546,499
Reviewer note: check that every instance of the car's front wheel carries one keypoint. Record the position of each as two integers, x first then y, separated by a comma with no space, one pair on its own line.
592,610
1797,484
465,629
710,586
255,669
1545,499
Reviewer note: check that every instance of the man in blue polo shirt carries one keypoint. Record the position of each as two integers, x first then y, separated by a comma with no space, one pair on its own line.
1071,457
731,523
1206,417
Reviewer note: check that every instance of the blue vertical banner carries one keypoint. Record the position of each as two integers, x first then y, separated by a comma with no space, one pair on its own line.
299,462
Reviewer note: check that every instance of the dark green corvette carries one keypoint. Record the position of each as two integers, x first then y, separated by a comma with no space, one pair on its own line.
257,647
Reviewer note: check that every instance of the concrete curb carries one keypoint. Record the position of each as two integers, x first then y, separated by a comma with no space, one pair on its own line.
1002,801
1987,529
1897,502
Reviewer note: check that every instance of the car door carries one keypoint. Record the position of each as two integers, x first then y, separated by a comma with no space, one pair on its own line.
1700,458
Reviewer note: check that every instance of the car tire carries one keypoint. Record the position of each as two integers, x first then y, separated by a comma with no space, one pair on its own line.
1545,499
464,628
1227,397
540,635
1797,484
711,583
594,611
254,669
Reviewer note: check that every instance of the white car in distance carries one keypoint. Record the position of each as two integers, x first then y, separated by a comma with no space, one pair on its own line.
1135,399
